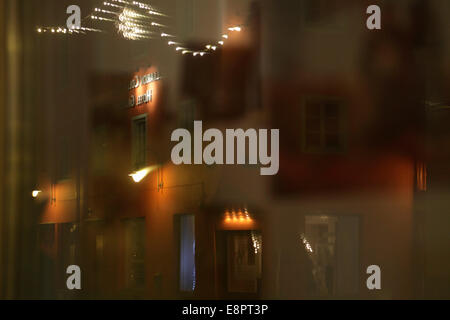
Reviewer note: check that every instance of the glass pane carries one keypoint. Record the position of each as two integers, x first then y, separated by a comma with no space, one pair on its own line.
187,253
313,140
332,124
331,109
332,140
312,110
313,125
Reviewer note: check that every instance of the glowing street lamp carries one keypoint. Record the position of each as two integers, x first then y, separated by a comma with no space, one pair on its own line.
139,175
35,193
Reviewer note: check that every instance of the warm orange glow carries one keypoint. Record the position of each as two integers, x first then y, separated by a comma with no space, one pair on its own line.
240,217
141,174
421,176
238,29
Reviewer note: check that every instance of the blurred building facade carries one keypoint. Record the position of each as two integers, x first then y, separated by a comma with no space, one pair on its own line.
363,171
18,222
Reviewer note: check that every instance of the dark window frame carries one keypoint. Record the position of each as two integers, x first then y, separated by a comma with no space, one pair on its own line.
324,118
138,148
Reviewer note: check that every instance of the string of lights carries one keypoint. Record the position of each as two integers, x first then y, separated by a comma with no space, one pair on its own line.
80,30
257,241
306,243
237,216
135,20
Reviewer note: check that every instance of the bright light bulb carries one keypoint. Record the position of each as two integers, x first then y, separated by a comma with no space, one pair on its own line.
139,175
35,193
238,29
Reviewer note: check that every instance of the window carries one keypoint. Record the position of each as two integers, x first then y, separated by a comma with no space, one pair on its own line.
332,245
139,144
323,125
135,253
187,253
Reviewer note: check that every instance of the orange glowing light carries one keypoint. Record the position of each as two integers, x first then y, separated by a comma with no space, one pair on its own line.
238,217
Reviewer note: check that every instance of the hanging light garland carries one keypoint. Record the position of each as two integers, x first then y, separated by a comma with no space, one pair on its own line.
63,30
237,216
135,20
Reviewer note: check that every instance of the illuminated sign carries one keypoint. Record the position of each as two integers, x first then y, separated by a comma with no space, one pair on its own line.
141,99
134,84
139,81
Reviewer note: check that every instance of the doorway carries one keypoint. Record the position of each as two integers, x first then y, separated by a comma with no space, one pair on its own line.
238,264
